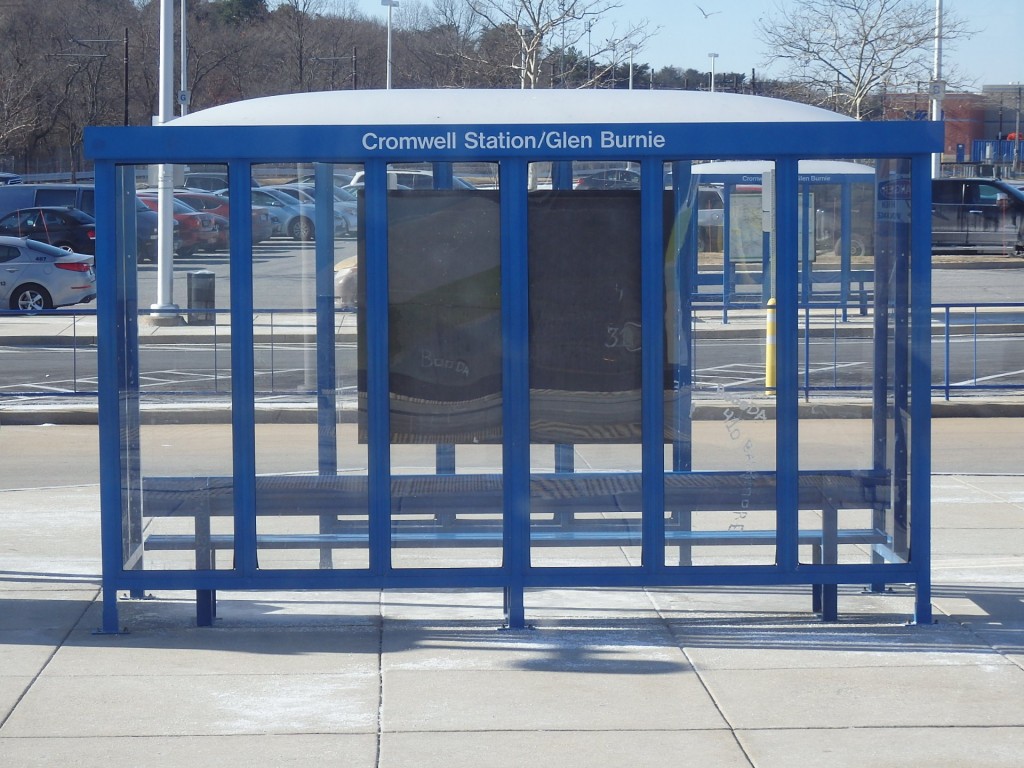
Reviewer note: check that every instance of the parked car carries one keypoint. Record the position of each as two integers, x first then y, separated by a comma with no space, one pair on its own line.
67,228
210,181
346,221
411,179
82,197
9,178
36,276
612,178
195,231
977,215
219,205
341,179
299,219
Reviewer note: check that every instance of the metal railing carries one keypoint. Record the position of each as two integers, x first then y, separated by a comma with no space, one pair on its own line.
977,348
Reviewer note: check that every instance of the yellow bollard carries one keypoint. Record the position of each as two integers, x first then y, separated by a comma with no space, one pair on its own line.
769,349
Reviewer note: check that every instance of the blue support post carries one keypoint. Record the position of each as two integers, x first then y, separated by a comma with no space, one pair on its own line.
378,411
444,176
728,276
110,313
444,454
845,254
243,394
920,386
515,298
787,364
652,325
562,178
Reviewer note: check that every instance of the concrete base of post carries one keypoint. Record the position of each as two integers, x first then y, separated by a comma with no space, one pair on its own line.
164,315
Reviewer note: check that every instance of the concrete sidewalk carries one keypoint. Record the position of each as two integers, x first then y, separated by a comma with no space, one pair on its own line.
708,677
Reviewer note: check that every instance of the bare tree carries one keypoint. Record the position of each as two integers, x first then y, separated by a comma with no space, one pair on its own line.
842,50
297,18
22,73
539,24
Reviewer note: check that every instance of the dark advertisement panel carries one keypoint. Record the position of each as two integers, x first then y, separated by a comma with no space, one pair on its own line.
585,309
445,337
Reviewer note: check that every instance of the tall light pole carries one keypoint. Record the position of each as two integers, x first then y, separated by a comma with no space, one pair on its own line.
712,57
938,88
165,308
184,97
390,4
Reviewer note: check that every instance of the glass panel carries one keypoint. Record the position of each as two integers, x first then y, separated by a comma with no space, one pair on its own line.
854,425
445,352
720,460
177,406
585,369
311,488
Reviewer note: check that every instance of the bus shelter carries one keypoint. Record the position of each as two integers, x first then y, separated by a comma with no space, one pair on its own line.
508,398
835,220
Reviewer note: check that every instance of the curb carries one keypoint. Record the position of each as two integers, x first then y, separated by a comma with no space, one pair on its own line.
88,415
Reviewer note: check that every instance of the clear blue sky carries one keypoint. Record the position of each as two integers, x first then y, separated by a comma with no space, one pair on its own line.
994,55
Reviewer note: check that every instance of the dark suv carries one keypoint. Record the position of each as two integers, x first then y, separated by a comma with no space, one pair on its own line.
977,216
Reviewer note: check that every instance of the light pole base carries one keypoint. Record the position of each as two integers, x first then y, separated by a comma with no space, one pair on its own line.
164,314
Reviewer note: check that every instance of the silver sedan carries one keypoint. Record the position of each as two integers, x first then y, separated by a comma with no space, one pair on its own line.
36,276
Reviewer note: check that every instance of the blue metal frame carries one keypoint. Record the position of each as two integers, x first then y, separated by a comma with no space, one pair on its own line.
240,147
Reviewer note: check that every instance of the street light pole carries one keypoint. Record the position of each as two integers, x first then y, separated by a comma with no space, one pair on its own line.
165,310
712,57
390,4
183,95
937,88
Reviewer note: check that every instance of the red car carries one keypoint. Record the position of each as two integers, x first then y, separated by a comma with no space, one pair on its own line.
196,231
208,202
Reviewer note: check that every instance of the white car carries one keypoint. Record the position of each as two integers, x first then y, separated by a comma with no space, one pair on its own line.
36,276
411,179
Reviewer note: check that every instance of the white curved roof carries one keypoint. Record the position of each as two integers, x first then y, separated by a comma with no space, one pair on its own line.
757,167
505,107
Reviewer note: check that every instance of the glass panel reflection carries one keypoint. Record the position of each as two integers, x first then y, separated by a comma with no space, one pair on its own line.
445,352
854,432
177,438
585,372
311,497
720,407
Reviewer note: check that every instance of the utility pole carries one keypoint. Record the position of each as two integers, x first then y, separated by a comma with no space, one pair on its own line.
590,53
